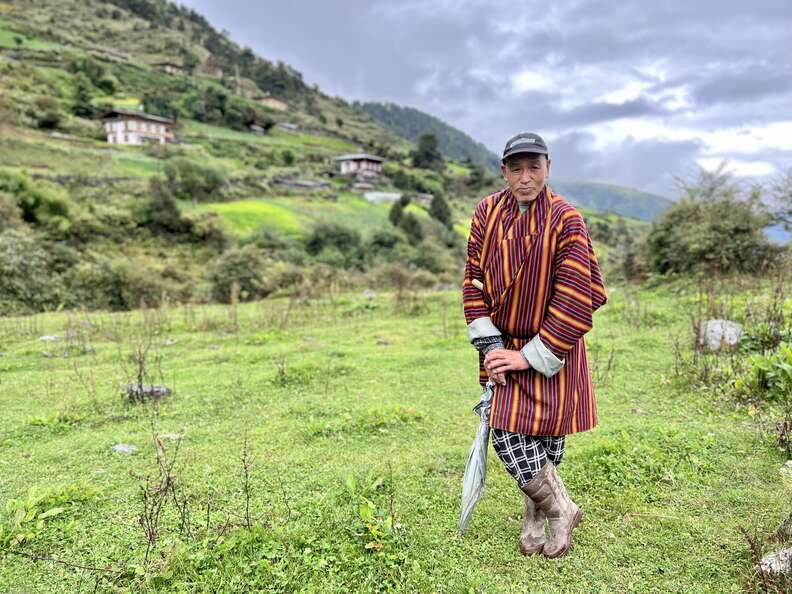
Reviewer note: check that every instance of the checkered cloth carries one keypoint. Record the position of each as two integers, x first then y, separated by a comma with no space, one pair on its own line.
524,455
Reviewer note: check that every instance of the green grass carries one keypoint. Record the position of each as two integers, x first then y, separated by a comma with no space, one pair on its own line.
242,217
294,215
456,169
275,138
355,410
8,40
135,164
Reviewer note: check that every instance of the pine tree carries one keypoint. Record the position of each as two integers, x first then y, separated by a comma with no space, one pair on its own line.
396,213
427,155
83,95
440,210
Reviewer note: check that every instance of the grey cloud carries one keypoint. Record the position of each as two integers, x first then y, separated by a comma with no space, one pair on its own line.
650,165
455,58
744,84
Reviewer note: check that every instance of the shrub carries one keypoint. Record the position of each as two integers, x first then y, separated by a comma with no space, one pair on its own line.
411,226
383,240
160,213
205,228
396,213
714,228
82,105
47,113
187,180
41,204
107,83
105,283
426,154
160,103
244,266
430,256
440,210
10,213
770,376
26,280
342,244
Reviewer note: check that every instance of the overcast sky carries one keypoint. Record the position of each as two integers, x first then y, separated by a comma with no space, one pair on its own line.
625,92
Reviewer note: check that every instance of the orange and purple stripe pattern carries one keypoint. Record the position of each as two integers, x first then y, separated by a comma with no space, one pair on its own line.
540,276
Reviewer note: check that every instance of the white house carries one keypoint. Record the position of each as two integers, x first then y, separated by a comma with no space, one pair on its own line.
360,163
136,127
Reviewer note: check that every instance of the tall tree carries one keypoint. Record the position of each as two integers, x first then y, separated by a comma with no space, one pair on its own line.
440,210
427,155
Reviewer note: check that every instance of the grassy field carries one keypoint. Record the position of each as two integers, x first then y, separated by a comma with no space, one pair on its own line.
357,417
8,38
294,215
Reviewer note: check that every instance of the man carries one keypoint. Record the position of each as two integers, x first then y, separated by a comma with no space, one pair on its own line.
532,283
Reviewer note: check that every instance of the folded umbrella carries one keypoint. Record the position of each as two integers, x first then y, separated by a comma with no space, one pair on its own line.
476,468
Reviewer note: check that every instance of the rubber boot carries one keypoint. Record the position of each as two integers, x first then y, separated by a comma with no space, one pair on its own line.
532,537
547,491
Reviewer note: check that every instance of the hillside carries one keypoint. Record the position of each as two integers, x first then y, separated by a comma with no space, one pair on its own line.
249,194
410,123
627,202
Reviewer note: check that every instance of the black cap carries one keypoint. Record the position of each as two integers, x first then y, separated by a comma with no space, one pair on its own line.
524,142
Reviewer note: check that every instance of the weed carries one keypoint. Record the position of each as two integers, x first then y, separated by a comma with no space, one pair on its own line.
29,517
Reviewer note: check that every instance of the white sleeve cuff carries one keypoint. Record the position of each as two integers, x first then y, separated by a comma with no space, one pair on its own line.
481,327
541,358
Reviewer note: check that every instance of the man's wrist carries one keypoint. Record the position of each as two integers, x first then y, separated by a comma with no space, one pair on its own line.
485,344
541,358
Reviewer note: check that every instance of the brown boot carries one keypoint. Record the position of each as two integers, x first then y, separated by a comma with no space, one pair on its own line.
532,537
548,493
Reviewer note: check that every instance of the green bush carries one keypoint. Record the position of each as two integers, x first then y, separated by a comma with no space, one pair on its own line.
47,113
440,210
159,212
335,245
714,228
82,104
383,240
41,204
426,154
411,226
215,105
188,180
432,257
161,103
770,376
107,83
205,228
27,282
244,266
10,213
116,284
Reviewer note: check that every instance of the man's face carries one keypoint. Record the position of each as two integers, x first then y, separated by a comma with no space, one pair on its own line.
526,175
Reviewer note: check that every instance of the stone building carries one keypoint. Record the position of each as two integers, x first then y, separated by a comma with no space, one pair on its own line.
360,164
136,127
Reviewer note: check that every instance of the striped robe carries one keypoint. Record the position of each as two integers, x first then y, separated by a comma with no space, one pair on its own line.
540,276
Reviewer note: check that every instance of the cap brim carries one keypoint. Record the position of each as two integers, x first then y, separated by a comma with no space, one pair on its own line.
525,150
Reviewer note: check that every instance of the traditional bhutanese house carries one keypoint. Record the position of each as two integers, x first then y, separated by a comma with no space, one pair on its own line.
136,127
360,163
169,67
268,101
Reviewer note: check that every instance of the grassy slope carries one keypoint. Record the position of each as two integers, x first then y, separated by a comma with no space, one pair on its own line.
664,480
294,215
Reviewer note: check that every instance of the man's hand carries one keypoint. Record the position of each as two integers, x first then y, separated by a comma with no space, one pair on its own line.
498,378
499,361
